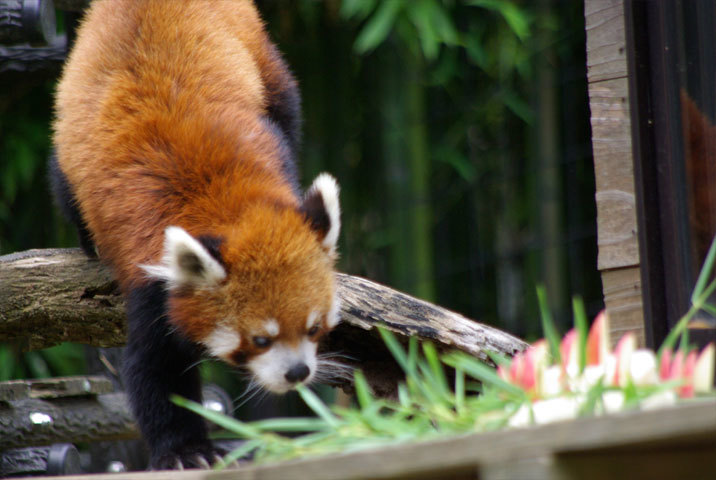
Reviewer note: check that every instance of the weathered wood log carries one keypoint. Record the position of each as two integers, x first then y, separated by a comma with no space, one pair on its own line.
34,421
59,295
75,409
53,296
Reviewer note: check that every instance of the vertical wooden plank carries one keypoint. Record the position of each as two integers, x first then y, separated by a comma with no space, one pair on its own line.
614,174
613,166
606,44
622,299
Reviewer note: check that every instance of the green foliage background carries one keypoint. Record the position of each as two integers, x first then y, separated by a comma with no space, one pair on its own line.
458,130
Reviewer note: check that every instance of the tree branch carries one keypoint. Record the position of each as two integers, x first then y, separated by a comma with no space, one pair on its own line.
59,295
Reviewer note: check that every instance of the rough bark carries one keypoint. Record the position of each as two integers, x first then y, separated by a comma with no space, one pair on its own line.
58,295
33,421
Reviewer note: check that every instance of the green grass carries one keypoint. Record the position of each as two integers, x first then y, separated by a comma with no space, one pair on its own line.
428,404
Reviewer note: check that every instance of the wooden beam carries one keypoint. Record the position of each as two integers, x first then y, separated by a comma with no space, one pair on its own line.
661,442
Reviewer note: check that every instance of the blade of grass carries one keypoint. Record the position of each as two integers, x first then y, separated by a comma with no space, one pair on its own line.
290,424
482,372
550,331
363,394
237,453
582,325
684,343
317,405
412,353
404,396
459,389
396,350
431,355
705,273
224,421
498,359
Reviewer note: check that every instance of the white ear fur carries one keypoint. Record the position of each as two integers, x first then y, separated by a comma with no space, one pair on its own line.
185,262
328,188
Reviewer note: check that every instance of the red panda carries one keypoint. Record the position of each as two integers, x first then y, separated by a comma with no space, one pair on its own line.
699,137
176,130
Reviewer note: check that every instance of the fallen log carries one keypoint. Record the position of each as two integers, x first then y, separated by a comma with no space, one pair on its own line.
59,295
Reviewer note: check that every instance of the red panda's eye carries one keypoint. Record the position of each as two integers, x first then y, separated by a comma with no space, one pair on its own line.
262,342
313,330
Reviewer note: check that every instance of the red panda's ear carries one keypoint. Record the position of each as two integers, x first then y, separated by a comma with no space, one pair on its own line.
322,210
186,262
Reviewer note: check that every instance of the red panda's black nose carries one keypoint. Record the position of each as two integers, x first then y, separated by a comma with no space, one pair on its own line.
297,373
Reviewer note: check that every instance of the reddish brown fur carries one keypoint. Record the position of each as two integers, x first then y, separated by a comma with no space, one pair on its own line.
700,157
159,123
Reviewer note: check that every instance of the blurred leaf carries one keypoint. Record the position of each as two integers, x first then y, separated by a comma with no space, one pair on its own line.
66,359
37,365
433,24
462,165
516,18
475,48
378,26
7,363
358,9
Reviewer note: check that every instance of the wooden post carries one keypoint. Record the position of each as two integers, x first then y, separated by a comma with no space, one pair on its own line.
613,166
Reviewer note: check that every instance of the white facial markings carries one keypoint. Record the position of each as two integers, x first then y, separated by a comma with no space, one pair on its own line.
333,318
185,262
271,366
223,341
311,320
271,327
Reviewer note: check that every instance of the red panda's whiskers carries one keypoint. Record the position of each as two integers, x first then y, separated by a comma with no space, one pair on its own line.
254,392
198,362
329,369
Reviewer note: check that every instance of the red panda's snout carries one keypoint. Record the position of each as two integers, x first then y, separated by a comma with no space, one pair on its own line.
262,293
283,366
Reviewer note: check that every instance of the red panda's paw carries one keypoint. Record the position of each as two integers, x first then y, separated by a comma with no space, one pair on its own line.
188,457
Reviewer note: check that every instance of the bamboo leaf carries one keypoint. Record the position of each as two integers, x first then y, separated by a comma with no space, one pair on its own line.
516,18
378,26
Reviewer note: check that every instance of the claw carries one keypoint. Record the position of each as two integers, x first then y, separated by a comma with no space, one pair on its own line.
201,461
219,460
178,465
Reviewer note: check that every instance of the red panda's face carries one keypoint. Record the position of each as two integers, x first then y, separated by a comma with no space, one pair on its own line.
265,294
